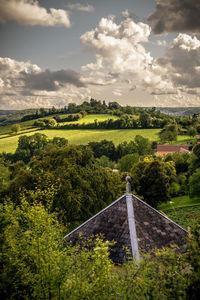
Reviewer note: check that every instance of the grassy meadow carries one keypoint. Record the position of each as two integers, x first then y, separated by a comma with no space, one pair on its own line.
8,142
178,202
91,118
83,136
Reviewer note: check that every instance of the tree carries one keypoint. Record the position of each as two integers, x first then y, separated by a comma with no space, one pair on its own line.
58,141
145,119
15,128
196,151
4,174
29,146
151,179
125,148
169,133
126,162
84,187
51,122
194,183
192,131
103,147
195,159
104,161
143,145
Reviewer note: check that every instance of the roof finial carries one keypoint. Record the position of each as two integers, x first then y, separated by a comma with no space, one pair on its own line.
128,185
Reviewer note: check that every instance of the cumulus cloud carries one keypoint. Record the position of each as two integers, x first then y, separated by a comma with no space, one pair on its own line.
176,16
119,46
122,61
51,81
23,84
182,61
29,12
94,66
80,7
119,50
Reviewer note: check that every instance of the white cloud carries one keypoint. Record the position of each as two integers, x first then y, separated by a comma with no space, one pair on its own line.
80,7
121,54
119,46
94,66
29,12
119,50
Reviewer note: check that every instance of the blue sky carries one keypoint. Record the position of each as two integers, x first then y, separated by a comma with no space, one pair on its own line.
136,52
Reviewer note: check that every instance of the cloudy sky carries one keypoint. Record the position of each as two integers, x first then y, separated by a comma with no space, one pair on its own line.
136,52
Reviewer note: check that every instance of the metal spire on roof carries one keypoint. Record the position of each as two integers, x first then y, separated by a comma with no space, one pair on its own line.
131,220
128,185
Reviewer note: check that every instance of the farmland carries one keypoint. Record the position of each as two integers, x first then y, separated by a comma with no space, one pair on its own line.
8,143
83,137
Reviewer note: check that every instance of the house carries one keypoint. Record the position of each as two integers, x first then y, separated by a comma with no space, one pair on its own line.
163,150
133,225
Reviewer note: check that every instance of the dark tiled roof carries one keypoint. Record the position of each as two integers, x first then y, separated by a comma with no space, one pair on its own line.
153,230
112,222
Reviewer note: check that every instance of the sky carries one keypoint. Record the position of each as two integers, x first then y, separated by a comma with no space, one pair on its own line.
135,52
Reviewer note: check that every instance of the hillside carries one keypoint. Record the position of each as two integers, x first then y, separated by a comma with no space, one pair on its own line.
179,111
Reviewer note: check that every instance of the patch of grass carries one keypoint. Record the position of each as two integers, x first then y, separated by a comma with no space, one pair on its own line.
181,201
83,136
184,216
9,144
184,139
91,118
6,129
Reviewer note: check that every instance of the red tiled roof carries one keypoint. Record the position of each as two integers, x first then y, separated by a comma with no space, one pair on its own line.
171,148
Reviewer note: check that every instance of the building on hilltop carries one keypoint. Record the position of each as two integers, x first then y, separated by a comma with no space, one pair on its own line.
133,225
163,150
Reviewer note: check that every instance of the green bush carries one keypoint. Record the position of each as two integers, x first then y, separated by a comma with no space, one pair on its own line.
36,263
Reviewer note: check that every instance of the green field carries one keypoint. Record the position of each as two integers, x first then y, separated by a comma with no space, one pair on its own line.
25,126
91,118
181,201
8,143
83,136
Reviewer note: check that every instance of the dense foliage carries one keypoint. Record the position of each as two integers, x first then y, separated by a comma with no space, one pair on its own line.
84,187
37,263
